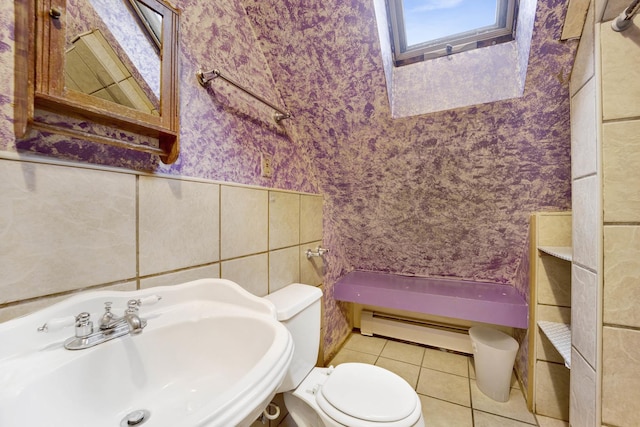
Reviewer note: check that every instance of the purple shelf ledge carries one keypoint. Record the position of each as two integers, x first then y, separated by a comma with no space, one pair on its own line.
492,303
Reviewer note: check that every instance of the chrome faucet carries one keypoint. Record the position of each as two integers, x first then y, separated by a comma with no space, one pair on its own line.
110,327
109,323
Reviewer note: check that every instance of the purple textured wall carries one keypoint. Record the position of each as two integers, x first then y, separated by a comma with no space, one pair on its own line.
445,194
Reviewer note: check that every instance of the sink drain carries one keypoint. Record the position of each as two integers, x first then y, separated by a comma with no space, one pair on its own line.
135,418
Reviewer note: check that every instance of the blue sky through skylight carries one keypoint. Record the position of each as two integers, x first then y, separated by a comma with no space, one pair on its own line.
427,20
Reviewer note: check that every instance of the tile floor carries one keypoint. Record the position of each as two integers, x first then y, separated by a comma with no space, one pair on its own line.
445,383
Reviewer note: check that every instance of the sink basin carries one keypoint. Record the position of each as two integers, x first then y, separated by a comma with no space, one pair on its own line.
211,354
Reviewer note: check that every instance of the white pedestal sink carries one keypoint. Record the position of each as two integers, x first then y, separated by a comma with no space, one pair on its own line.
211,354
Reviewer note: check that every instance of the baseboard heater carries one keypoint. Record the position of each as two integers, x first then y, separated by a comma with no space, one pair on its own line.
450,337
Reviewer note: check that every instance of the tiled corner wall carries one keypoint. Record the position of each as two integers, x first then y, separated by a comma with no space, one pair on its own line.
620,65
586,270
605,121
66,228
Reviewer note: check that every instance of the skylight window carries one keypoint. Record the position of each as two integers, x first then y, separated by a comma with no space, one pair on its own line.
425,29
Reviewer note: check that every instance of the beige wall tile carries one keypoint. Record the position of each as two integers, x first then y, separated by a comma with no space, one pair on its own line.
61,223
64,228
620,71
621,171
621,273
582,411
252,273
244,221
552,390
584,313
310,218
182,276
554,229
284,268
584,132
586,221
179,224
574,20
620,376
311,269
554,281
17,310
584,64
284,219
552,313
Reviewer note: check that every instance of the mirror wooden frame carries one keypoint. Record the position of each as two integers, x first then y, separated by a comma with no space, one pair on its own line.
40,82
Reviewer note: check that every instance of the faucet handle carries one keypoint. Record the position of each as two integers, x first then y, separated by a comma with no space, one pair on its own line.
57,324
150,300
107,316
133,305
84,325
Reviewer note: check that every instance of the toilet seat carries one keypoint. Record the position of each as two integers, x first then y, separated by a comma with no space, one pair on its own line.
358,394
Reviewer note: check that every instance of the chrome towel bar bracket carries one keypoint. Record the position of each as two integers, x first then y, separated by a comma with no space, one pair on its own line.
624,20
318,252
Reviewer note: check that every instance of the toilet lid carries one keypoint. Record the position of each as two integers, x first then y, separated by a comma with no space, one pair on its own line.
367,392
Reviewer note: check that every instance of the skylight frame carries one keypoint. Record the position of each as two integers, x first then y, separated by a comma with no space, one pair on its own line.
502,32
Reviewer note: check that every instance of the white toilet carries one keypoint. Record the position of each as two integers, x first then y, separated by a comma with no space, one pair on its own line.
352,394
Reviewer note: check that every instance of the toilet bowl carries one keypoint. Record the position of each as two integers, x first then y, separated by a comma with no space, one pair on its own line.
354,395
349,395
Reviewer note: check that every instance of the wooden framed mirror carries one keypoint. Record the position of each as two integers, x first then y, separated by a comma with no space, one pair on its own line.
113,62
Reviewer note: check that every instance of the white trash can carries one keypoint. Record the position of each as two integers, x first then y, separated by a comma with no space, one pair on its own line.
494,353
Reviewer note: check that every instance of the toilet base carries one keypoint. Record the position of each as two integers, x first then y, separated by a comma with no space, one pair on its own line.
302,414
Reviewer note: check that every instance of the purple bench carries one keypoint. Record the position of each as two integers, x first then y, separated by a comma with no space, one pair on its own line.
492,303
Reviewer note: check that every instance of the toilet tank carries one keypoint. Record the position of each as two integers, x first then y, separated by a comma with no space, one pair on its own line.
298,309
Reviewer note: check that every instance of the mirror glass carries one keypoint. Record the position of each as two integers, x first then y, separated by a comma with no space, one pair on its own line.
112,51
